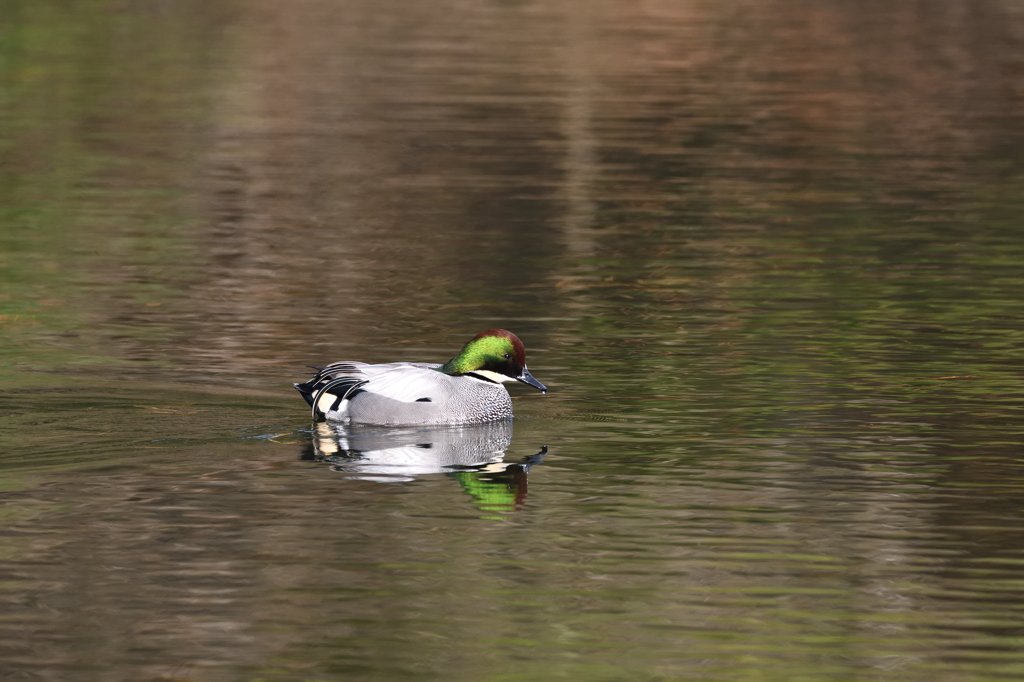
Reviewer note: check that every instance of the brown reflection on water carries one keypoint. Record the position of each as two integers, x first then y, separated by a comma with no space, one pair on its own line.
383,175
385,172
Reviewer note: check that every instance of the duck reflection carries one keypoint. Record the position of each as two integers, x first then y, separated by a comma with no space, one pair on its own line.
474,455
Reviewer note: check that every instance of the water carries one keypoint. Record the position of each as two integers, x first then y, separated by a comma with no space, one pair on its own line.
766,256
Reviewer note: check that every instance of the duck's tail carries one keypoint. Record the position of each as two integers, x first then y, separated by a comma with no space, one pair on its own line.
307,389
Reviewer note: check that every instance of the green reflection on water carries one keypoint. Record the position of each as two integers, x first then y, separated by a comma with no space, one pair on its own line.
101,103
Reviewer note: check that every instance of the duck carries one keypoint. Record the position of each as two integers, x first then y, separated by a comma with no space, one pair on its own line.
468,389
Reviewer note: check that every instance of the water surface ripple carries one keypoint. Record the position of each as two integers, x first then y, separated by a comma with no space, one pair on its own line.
766,256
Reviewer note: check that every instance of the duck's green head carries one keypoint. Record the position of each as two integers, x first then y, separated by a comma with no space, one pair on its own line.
495,355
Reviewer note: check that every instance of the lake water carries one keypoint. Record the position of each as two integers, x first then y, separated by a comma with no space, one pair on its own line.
768,257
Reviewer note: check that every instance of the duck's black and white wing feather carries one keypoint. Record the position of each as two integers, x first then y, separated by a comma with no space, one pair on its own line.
404,382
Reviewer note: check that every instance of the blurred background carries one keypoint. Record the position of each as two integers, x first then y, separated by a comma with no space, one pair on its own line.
767,257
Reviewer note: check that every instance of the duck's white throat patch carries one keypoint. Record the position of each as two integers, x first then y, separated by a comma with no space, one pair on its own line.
491,376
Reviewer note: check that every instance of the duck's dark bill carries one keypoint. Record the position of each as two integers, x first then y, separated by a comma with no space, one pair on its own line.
527,378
